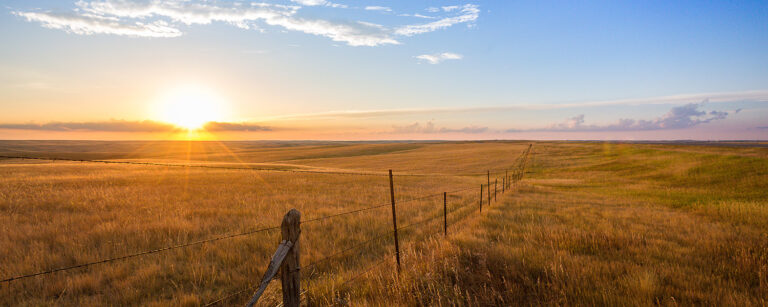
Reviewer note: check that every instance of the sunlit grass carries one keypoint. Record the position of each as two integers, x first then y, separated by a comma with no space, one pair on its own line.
593,224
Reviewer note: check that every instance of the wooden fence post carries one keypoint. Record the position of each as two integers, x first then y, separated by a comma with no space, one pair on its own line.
495,188
289,271
394,219
481,197
445,213
503,184
506,176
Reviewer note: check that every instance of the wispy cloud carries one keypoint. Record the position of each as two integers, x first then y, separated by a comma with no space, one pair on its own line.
224,126
417,15
109,126
467,13
154,18
429,128
94,24
437,58
758,96
378,8
679,117
132,126
111,17
319,3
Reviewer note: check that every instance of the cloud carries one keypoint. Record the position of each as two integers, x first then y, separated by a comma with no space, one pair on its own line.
754,96
319,3
93,24
468,13
450,8
429,127
679,117
107,126
224,126
439,57
113,16
378,8
155,18
132,126
417,15
354,34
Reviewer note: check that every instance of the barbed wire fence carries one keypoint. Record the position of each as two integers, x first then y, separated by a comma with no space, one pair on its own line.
508,179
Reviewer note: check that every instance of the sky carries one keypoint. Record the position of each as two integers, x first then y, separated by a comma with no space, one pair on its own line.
383,70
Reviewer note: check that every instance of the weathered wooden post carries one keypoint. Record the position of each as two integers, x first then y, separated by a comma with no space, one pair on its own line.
394,219
290,273
445,213
286,260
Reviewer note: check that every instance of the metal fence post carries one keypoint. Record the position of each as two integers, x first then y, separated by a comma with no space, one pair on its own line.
445,213
394,219
481,197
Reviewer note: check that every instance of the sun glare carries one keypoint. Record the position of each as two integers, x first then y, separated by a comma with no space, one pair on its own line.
190,107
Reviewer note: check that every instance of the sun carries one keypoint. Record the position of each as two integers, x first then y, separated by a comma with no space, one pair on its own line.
190,107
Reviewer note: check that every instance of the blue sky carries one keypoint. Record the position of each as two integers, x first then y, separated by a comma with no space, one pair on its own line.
315,69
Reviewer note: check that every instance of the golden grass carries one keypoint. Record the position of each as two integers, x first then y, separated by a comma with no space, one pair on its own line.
593,224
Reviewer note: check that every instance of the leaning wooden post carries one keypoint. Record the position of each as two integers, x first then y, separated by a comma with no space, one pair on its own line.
481,197
394,219
489,187
290,270
445,213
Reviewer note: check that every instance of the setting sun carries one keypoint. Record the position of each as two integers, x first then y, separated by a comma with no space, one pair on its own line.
190,107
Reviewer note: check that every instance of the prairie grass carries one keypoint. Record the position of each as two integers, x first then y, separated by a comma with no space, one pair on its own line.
591,224
602,224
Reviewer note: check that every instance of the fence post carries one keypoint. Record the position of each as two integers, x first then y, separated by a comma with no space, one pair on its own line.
489,188
503,184
394,219
289,271
445,213
495,183
481,197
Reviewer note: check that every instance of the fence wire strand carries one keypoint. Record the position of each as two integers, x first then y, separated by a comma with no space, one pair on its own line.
87,264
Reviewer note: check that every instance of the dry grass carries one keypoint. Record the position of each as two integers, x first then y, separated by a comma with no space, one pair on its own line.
64,213
603,225
593,224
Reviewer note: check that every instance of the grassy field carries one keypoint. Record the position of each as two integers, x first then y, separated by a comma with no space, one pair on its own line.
590,224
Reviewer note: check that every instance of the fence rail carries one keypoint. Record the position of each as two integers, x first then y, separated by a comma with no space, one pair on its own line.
289,247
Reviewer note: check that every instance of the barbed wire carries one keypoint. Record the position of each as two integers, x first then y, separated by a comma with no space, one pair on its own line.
493,171
356,246
87,264
380,206
218,167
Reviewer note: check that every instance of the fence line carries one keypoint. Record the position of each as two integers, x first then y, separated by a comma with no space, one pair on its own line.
518,172
261,169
